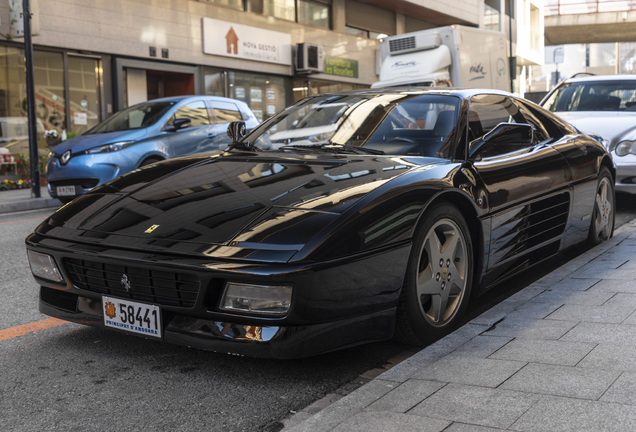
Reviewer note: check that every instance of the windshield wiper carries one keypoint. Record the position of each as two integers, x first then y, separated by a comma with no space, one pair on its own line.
336,148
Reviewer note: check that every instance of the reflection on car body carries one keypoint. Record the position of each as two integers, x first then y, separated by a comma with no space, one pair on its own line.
140,135
347,218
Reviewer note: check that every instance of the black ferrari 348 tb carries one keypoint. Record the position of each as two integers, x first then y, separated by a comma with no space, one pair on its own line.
346,218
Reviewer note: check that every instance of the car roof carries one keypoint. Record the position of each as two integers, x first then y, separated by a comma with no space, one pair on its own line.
181,98
595,78
460,92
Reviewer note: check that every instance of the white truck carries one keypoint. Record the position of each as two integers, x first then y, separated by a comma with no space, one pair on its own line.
456,56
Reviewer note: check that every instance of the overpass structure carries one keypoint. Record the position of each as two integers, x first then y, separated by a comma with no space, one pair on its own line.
589,21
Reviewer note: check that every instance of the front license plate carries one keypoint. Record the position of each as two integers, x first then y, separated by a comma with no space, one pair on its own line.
132,316
66,190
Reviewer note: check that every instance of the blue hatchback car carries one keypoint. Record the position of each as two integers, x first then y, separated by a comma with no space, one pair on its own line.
140,135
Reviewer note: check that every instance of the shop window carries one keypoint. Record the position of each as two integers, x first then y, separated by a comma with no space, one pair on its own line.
312,12
49,100
83,77
264,94
196,112
304,88
214,82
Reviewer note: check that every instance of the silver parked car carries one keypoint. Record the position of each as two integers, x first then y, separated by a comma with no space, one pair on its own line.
606,106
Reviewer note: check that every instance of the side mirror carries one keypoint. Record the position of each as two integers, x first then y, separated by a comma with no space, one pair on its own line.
503,134
236,130
179,124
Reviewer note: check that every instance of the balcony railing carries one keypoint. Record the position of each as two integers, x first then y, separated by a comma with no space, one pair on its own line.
570,7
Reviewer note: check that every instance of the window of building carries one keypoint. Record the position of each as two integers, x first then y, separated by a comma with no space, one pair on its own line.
364,33
312,87
374,20
50,109
312,12
236,4
84,93
264,94
492,15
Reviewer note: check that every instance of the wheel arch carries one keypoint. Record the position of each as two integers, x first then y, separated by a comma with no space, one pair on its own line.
154,155
609,164
469,211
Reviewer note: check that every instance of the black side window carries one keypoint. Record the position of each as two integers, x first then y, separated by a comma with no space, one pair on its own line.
485,113
540,133
554,126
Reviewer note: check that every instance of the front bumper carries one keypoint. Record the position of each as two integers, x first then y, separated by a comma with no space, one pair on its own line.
280,342
335,305
84,172
625,173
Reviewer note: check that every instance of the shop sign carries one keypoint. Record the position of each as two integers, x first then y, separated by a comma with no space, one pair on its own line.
341,67
229,39
80,118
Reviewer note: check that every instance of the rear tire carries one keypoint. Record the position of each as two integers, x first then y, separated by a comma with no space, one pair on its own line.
438,278
603,214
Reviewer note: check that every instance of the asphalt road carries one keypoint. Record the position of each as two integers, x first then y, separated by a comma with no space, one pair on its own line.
75,378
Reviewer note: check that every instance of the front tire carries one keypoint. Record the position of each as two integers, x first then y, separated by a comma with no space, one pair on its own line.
603,214
438,278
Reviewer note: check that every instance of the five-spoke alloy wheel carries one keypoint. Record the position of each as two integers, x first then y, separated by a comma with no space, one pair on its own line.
438,280
602,225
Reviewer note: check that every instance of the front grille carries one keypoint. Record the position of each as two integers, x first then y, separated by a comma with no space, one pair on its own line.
85,183
407,43
153,286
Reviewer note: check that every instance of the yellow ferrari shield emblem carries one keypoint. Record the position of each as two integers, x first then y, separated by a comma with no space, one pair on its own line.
151,229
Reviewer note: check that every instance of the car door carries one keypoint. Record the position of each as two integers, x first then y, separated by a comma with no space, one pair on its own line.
221,114
188,140
582,154
525,185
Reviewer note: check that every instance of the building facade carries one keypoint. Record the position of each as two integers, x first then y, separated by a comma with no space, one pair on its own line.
96,57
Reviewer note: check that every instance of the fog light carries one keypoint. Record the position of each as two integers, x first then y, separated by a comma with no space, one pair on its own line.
258,299
43,266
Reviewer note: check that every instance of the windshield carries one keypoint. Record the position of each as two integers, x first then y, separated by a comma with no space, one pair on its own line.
135,117
594,96
394,123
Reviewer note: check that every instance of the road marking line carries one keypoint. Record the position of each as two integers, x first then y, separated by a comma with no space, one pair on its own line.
23,220
20,330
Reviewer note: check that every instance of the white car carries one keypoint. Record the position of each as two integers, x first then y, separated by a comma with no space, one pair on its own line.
605,106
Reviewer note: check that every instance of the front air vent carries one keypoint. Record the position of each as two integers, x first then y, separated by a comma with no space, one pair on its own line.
157,286
403,44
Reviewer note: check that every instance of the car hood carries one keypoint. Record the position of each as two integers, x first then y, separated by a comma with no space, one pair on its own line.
250,207
85,142
612,126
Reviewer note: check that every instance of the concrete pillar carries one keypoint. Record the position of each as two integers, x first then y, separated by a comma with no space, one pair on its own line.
400,24
338,16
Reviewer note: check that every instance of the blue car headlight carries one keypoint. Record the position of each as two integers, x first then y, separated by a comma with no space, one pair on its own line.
108,148
625,147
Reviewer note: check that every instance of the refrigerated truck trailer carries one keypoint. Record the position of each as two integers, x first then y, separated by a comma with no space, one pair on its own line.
456,55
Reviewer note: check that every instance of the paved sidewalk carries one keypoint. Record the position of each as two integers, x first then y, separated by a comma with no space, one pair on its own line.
16,200
560,355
